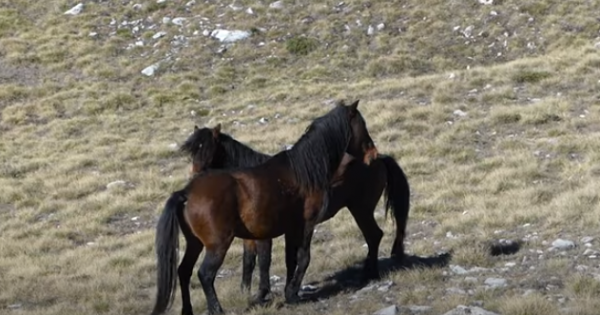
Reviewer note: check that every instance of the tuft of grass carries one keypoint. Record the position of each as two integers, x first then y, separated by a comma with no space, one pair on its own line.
530,76
300,45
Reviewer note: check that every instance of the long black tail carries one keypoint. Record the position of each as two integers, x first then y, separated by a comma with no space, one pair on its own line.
397,198
167,243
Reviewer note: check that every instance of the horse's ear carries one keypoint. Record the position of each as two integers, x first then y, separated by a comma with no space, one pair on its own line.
216,130
353,108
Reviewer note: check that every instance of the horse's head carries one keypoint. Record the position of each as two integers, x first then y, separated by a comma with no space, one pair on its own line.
361,145
206,148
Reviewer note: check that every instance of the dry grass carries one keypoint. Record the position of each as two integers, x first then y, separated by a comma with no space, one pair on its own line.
76,114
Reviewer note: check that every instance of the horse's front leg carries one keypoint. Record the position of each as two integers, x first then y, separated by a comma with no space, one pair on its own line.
302,261
313,210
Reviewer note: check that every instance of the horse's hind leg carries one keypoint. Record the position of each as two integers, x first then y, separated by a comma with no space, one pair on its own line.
372,234
264,264
213,260
249,262
186,267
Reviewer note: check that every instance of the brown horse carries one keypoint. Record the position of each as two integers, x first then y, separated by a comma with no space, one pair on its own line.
285,195
359,190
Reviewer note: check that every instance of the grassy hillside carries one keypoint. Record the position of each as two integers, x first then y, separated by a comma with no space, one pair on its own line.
492,111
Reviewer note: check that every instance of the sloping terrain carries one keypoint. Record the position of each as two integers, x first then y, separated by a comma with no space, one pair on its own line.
490,107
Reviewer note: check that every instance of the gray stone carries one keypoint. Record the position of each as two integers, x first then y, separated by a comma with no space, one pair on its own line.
460,113
390,310
458,269
587,239
178,21
149,71
495,282
115,184
226,36
276,5
457,291
469,310
159,35
563,244
419,308
75,10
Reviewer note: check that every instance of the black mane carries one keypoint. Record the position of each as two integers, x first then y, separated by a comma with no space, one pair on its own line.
317,154
236,154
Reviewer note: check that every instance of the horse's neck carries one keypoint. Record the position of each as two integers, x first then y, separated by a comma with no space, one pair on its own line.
245,157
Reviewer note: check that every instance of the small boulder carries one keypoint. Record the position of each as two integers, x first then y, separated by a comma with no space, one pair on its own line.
390,310
75,10
469,310
563,244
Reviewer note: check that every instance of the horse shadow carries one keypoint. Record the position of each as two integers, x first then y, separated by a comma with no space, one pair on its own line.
350,278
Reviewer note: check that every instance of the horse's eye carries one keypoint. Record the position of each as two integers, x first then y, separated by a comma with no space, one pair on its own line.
200,146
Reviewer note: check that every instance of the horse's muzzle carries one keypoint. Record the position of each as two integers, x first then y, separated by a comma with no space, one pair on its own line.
370,155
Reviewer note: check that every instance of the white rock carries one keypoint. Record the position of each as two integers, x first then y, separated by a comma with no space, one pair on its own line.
135,218
149,71
173,146
458,270
454,290
249,11
470,279
179,21
563,244
275,278
590,251
166,20
587,239
380,26
390,310
309,288
115,184
460,113
15,306
276,5
468,31
93,34
495,282
510,264
486,2
160,1
190,3
469,310
206,33
419,308
139,43
226,36
137,6
159,34
75,10
370,30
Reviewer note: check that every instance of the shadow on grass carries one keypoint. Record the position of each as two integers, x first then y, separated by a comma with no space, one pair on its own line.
350,279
